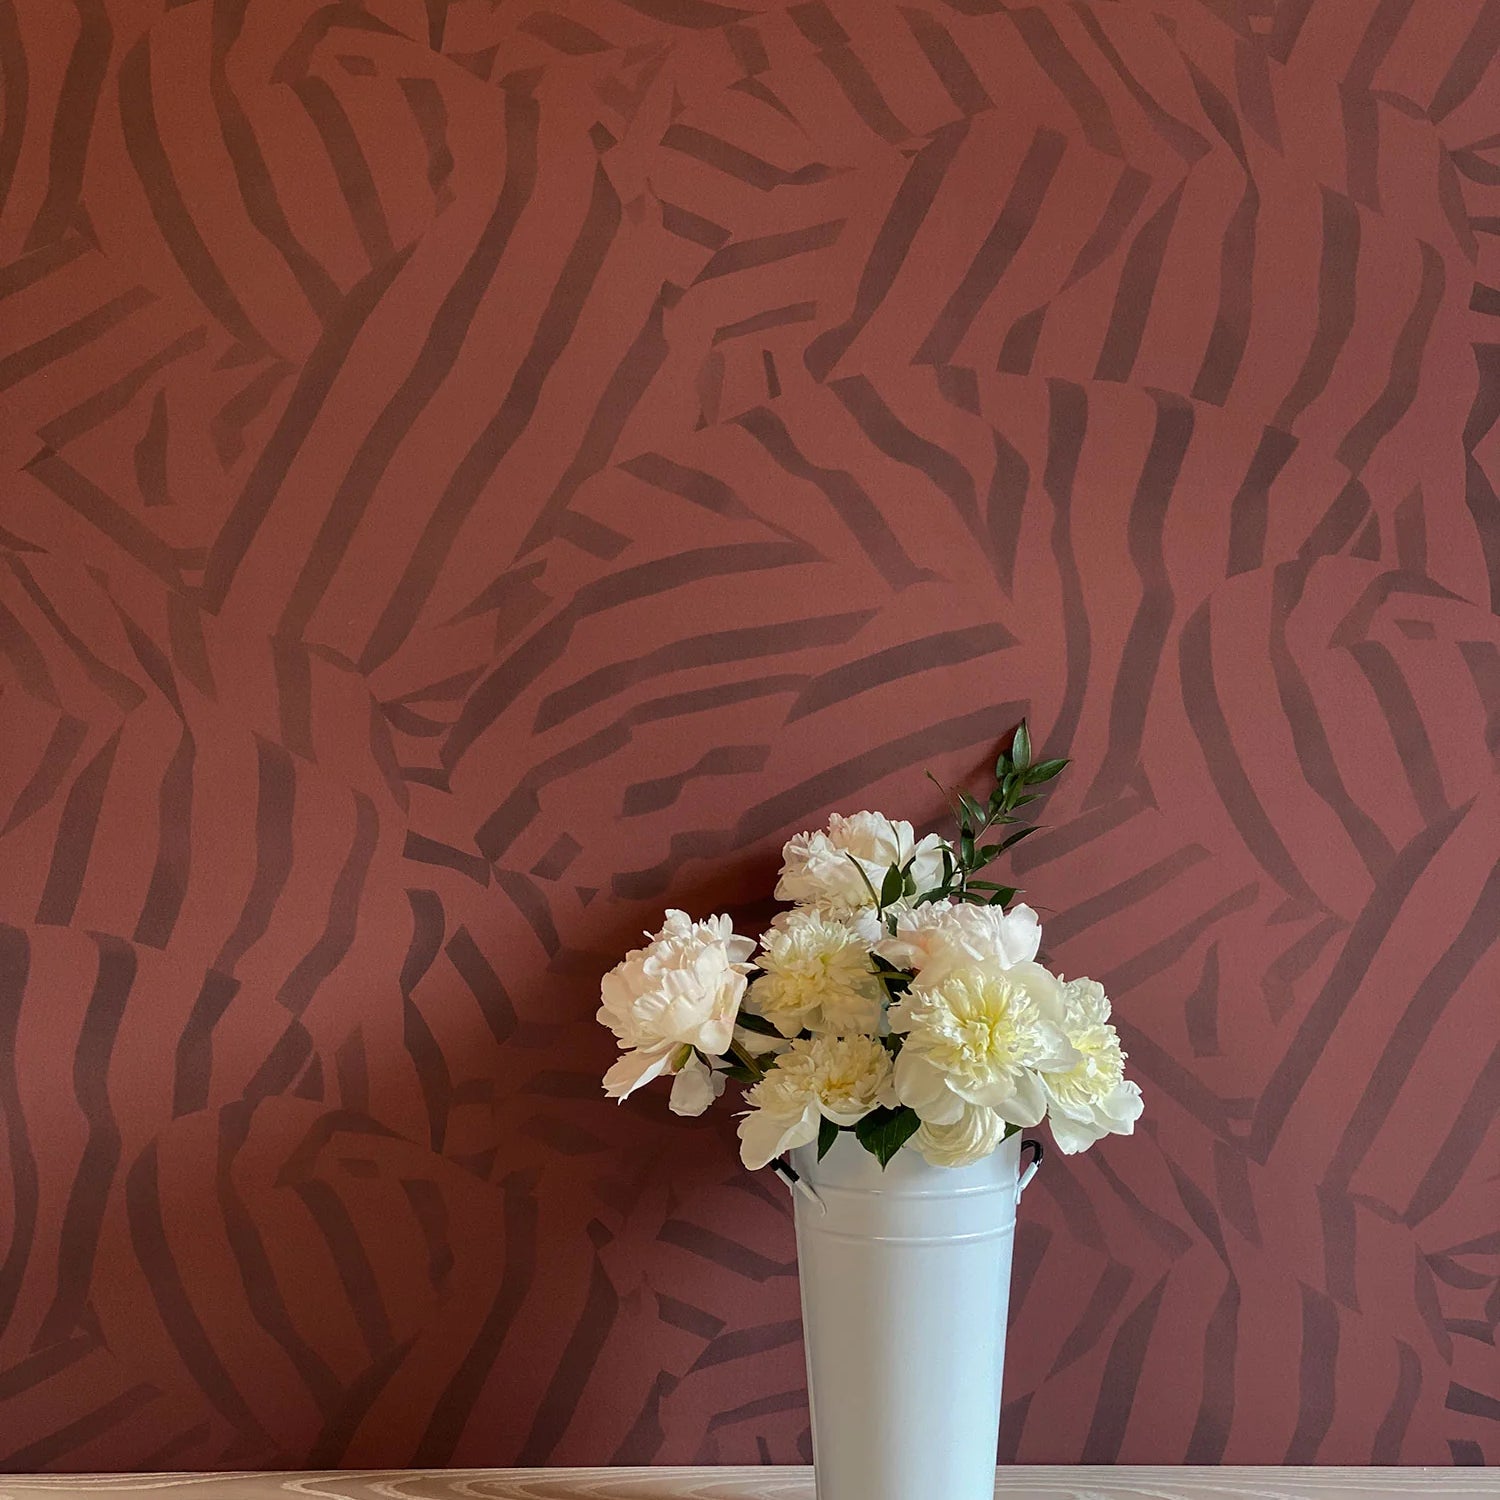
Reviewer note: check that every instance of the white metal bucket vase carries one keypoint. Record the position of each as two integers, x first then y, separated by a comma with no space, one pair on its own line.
905,1289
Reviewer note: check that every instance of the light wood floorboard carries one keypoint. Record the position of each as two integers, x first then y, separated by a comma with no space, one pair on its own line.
1020,1483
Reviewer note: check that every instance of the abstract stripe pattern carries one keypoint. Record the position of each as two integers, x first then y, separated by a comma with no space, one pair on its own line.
473,475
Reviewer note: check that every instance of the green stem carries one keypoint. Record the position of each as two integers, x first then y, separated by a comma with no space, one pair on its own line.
747,1057
874,894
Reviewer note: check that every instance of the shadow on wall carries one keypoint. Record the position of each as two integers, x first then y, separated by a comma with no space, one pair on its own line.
475,476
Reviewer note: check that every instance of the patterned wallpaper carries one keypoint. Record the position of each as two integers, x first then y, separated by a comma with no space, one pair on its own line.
473,472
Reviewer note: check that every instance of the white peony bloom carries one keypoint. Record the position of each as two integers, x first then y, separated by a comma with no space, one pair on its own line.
976,1132
816,975
940,937
838,1078
683,990
1093,1098
980,1036
835,869
695,1087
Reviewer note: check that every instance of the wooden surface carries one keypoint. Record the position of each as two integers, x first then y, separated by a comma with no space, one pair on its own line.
1018,1483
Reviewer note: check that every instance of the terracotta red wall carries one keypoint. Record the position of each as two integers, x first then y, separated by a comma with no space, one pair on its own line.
475,473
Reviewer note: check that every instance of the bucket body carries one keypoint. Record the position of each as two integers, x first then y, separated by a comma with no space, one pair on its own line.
905,1279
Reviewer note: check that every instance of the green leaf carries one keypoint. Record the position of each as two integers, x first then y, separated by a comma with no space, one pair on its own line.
1044,770
758,1024
1020,747
740,1073
1017,836
828,1133
1004,896
892,887
883,1132
975,816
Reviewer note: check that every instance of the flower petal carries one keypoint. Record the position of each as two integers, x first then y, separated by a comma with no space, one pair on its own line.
923,1088
1027,1103
694,1088
1073,1136
634,1068
765,1136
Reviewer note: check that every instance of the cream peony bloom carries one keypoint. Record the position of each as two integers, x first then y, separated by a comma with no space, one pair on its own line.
816,975
838,1078
683,990
941,937
976,1132
980,1036
823,869
1093,1098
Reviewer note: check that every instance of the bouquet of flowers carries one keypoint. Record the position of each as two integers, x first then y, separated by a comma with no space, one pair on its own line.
899,998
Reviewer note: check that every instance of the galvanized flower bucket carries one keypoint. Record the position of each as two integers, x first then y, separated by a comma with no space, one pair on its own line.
905,1288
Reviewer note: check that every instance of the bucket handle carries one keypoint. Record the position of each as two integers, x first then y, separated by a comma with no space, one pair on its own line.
1029,1171
796,1183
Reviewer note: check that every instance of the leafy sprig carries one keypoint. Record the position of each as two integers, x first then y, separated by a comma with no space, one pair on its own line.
1015,774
